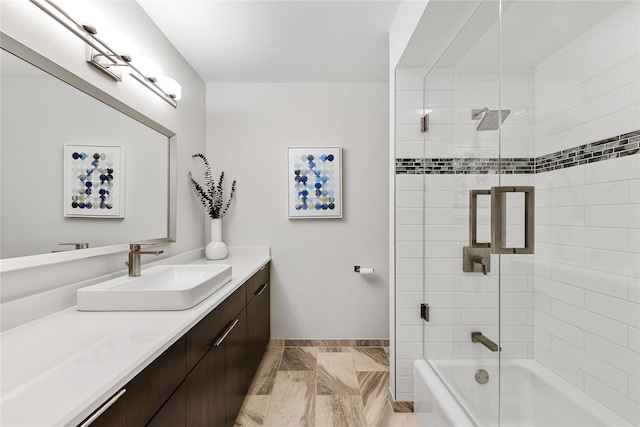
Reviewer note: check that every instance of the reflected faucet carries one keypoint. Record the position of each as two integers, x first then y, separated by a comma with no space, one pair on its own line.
134,258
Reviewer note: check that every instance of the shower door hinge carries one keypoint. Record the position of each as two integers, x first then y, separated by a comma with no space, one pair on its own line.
424,123
424,312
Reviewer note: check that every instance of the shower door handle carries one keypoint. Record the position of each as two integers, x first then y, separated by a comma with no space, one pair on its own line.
498,215
473,218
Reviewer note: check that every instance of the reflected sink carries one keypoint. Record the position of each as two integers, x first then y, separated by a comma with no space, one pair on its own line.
163,287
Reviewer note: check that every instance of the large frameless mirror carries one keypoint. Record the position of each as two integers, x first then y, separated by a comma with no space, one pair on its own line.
54,201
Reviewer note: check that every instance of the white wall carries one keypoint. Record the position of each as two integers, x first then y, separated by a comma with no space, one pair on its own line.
587,284
26,23
315,292
400,33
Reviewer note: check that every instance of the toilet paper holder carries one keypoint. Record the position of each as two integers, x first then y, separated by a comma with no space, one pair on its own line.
363,270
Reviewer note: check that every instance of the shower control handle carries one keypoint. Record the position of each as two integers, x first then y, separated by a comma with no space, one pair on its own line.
482,261
476,260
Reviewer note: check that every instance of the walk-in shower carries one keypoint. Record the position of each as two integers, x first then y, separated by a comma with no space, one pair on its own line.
517,216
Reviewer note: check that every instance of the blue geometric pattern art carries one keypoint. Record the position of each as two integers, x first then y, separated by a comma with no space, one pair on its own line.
93,181
93,184
316,180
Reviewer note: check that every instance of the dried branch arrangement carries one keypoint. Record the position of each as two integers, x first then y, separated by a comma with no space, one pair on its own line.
212,194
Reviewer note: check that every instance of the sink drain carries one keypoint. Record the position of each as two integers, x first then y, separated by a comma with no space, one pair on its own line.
482,376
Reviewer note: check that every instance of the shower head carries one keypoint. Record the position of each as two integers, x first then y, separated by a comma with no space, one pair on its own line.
489,120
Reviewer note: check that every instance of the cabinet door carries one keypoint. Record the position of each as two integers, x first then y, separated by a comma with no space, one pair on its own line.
236,369
257,281
205,390
173,412
200,337
148,391
258,329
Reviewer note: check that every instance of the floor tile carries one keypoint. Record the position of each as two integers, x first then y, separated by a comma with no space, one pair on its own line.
374,389
292,400
339,411
391,419
324,383
300,343
369,343
265,376
402,407
334,343
275,343
370,359
334,349
299,359
336,374
253,412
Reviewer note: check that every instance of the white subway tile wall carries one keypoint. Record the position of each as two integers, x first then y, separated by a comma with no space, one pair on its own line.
575,305
432,217
586,312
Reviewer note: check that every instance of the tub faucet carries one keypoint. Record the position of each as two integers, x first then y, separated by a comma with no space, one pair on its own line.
134,258
478,337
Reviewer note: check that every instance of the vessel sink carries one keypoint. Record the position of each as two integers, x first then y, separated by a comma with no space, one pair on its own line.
163,287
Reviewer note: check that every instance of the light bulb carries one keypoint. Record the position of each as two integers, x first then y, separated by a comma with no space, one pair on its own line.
120,44
87,15
170,86
149,68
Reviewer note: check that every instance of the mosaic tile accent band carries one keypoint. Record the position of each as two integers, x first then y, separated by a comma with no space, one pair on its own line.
611,148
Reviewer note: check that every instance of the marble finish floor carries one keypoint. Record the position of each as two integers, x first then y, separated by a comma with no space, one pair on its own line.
315,383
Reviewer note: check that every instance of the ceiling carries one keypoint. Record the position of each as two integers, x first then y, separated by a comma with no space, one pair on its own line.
467,34
279,41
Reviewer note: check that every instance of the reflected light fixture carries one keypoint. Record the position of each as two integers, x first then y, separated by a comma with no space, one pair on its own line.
110,51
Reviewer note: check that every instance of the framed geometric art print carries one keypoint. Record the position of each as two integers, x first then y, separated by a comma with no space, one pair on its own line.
315,182
94,181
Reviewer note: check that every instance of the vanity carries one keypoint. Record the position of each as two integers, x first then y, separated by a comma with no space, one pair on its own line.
159,368
66,367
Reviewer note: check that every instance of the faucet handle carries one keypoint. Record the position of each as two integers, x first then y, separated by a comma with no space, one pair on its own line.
134,247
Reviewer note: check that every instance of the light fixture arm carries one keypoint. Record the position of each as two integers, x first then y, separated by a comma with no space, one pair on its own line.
88,34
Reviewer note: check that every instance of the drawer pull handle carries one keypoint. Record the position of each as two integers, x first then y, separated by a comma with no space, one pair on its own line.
262,289
103,408
226,332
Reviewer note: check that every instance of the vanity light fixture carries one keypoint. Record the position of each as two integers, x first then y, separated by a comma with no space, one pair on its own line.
112,52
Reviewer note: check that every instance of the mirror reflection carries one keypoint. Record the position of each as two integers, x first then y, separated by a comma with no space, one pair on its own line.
41,115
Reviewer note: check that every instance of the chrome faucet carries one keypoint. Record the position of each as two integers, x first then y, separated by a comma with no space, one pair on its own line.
134,258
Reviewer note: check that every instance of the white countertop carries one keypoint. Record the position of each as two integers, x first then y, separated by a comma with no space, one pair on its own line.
57,370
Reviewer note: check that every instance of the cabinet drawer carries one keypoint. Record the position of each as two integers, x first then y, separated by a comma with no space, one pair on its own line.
257,281
201,336
147,391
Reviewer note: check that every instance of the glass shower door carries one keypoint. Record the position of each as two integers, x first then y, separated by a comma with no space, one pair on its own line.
569,73
530,194
462,155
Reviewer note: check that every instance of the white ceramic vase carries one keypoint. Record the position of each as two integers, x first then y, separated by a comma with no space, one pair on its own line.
216,249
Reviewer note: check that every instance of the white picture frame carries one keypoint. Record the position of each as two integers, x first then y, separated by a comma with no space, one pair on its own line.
314,178
94,181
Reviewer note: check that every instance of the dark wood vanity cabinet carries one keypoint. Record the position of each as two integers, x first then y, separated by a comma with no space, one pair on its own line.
258,318
147,391
216,349
203,378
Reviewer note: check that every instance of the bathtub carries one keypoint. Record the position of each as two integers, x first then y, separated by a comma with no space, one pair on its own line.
531,395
